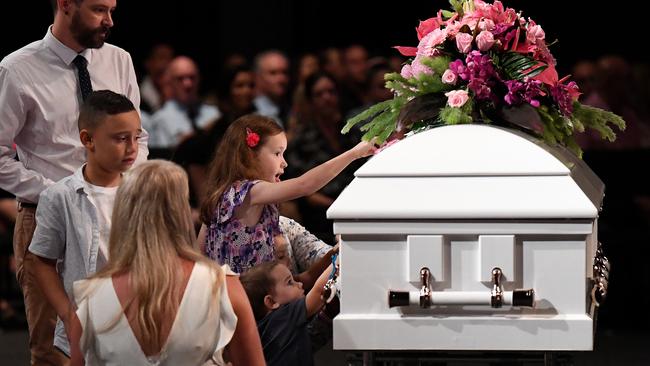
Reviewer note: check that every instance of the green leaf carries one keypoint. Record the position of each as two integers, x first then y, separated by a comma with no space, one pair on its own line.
457,5
382,126
400,85
598,119
453,116
368,113
438,64
536,70
394,76
447,14
572,145
517,66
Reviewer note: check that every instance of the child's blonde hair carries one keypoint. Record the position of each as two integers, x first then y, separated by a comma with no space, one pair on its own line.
234,159
151,228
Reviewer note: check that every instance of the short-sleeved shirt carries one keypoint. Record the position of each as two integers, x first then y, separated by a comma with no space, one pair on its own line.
68,229
284,335
231,242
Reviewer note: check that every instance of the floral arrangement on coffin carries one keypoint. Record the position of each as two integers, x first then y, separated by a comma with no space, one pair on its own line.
482,63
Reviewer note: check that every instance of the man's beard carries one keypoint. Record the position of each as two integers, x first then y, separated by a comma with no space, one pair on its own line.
88,38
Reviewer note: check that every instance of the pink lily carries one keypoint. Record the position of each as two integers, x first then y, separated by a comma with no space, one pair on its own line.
427,26
548,76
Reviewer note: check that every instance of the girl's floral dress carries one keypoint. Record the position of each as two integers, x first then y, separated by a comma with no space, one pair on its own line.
231,242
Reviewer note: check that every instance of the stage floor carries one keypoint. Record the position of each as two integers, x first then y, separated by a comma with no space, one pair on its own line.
613,348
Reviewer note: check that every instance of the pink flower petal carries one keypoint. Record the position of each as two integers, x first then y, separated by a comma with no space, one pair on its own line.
407,51
427,26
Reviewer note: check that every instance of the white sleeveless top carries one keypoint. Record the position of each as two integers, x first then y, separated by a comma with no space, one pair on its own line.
197,336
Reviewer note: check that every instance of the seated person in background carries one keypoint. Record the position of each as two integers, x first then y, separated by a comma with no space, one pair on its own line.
184,112
317,140
235,92
158,300
283,311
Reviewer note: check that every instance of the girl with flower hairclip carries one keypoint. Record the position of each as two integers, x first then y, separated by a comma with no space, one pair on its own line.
240,213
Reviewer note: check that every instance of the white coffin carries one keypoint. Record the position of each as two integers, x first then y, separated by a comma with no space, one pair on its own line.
462,200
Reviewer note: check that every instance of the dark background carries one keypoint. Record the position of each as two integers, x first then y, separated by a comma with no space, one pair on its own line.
209,30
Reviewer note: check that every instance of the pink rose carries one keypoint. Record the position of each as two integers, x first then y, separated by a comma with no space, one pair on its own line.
427,46
449,77
417,68
535,33
485,40
469,21
457,98
486,25
453,28
464,42
407,71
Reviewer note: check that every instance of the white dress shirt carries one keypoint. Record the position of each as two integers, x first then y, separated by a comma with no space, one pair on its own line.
150,94
266,107
170,124
39,108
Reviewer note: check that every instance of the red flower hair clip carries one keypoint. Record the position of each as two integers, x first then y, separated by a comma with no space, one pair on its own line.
252,138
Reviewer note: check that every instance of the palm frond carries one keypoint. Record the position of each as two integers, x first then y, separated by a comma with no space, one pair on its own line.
517,66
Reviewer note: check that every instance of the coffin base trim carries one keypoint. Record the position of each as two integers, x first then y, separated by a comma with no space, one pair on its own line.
573,332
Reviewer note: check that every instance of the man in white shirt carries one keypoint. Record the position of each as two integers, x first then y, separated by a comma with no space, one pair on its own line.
184,113
272,83
39,106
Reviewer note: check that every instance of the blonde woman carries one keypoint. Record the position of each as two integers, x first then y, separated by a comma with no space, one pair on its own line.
158,301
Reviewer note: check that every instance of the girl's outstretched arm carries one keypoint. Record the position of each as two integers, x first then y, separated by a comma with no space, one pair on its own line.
313,180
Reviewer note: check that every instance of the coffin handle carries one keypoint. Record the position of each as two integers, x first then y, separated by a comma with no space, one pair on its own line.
426,297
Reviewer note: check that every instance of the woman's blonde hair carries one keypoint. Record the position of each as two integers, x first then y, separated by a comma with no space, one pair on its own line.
234,159
151,228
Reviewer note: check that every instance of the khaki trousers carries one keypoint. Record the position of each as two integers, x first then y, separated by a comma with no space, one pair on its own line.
41,317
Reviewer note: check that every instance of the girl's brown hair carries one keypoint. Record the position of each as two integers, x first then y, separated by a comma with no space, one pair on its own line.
234,160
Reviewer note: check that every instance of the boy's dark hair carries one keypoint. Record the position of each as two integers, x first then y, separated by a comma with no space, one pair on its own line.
99,104
258,283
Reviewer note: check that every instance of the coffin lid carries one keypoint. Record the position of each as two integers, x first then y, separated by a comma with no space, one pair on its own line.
471,171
